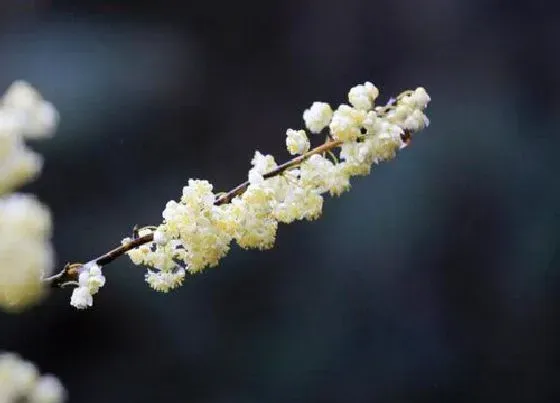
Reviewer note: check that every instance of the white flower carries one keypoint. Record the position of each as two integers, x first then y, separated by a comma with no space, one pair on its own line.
300,202
297,141
9,124
21,95
195,230
18,164
90,280
318,116
198,192
362,96
347,122
163,281
416,121
81,297
24,215
252,211
262,164
339,180
48,389
21,381
36,118
96,279
26,255
174,215
399,115
25,224
391,132
160,237
421,97
158,256
255,178
19,168
17,377
315,173
91,277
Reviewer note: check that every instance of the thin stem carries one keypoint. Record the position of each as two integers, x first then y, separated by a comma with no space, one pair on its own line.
71,270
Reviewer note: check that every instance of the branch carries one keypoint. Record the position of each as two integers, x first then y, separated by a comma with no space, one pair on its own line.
70,271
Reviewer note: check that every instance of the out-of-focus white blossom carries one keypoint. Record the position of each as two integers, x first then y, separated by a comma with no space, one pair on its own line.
23,114
90,280
25,224
318,116
197,230
48,389
25,251
35,117
20,381
297,141
18,164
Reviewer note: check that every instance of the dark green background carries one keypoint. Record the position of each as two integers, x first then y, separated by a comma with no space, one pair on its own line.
435,279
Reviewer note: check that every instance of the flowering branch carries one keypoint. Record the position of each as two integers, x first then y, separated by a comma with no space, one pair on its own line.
197,230
70,271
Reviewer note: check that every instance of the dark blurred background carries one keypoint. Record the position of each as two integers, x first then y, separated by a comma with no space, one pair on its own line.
436,279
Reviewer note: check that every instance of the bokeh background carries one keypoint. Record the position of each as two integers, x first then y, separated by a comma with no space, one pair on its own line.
436,279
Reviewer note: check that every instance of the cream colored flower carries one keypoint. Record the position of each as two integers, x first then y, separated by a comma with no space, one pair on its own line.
362,96
318,116
25,224
164,281
347,122
35,117
297,142
26,255
20,381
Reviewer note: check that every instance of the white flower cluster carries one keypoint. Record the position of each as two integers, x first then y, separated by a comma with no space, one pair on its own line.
25,224
163,280
90,280
408,114
20,381
25,250
23,115
197,230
